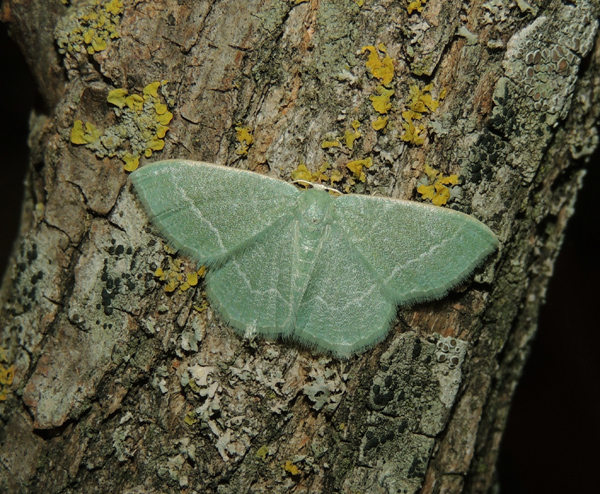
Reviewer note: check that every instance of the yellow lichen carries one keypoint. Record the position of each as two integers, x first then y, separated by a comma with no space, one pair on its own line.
415,5
421,102
7,375
174,276
151,90
411,115
336,176
323,174
192,279
190,417
245,139
143,124
360,3
356,167
380,123
114,7
160,108
88,136
302,173
351,135
98,44
89,26
381,103
77,133
169,250
131,162
203,305
156,144
117,97
437,190
164,119
171,286
290,468
262,452
381,68
161,130
135,102
412,133
334,143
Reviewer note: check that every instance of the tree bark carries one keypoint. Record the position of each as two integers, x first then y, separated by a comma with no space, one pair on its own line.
121,386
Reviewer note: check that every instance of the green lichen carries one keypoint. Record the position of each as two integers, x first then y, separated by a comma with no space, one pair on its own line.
142,122
262,452
424,65
89,25
190,418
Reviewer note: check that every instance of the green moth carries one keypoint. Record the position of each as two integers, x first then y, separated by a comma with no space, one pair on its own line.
328,271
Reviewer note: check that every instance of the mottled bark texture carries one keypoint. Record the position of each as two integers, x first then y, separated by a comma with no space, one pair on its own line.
121,386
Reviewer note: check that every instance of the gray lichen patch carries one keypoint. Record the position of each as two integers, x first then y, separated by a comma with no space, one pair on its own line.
21,459
88,26
33,297
418,381
336,29
327,386
109,280
35,291
429,36
67,374
396,464
216,395
541,66
410,400
485,156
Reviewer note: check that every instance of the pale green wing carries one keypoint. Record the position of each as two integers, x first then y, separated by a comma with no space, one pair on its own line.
419,251
344,308
253,290
208,211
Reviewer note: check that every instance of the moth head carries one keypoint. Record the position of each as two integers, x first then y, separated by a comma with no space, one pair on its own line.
314,209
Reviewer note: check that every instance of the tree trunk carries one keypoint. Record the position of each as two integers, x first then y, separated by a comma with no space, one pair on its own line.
124,382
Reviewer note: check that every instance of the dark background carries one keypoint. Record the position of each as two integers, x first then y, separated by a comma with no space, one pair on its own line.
551,443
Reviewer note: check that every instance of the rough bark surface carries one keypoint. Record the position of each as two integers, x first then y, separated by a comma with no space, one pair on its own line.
122,387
